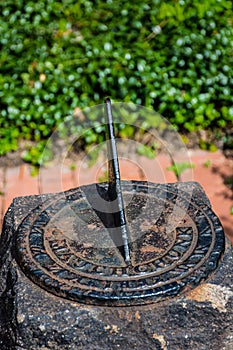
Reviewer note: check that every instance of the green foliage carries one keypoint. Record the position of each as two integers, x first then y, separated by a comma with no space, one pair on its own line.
37,154
208,146
179,168
229,182
207,163
103,177
174,56
147,151
93,154
73,167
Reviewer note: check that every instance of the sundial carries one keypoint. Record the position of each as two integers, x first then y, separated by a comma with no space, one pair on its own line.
120,243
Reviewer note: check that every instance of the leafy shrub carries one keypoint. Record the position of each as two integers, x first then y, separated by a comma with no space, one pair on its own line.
175,56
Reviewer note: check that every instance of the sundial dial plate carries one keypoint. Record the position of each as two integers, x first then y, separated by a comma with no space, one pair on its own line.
64,248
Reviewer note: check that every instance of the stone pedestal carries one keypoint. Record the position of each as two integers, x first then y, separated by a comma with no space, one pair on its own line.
31,318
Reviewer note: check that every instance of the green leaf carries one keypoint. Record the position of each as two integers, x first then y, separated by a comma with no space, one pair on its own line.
147,151
179,168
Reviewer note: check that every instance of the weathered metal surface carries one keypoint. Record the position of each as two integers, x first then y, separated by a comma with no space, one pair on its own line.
175,243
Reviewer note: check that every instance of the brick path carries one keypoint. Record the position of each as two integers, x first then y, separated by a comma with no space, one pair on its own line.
212,171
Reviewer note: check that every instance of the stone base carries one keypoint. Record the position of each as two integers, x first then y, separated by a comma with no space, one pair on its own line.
32,318
203,319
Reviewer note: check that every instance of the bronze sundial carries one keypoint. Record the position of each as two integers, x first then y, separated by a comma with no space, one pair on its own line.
121,243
